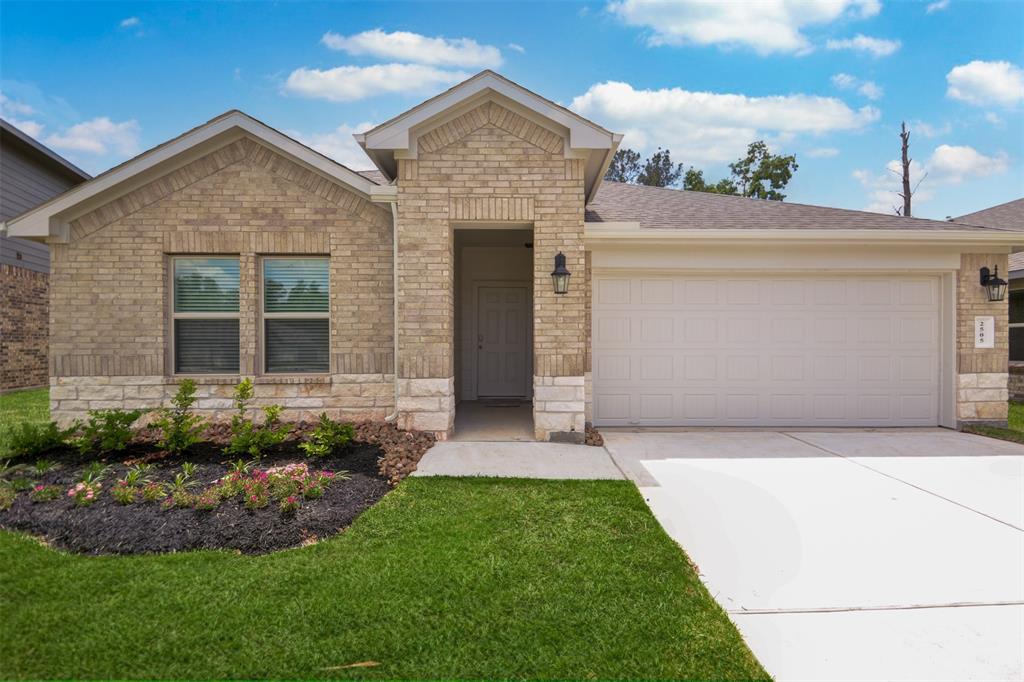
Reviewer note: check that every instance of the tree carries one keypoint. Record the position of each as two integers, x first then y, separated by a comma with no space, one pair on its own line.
659,171
694,181
625,166
905,161
761,174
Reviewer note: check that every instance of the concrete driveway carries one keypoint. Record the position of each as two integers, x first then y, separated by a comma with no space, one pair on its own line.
850,555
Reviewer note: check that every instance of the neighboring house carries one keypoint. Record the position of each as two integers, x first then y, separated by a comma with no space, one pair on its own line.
1009,216
235,251
29,175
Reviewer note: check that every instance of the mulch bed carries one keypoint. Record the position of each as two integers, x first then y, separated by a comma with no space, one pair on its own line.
379,458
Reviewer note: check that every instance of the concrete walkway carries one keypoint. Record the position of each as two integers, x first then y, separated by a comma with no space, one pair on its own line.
518,460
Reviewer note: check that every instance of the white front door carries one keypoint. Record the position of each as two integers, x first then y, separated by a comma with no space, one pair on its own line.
502,341
766,350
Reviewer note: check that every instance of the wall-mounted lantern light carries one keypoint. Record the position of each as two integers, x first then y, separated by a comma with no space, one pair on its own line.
560,277
996,287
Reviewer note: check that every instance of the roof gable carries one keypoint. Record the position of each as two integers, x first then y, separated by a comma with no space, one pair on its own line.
52,219
1008,216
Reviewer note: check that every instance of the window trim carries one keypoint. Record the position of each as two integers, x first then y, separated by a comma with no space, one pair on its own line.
262,316
173,315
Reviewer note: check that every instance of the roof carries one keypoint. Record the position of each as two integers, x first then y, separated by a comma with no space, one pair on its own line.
28,140
374,176
1008,216
54,215
584,138
677,209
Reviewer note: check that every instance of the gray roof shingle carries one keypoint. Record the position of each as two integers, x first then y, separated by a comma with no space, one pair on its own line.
1008,216
666,208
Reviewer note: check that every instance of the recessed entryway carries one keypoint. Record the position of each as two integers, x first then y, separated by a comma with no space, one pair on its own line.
493,420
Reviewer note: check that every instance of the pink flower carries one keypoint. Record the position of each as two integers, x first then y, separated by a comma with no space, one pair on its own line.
39,487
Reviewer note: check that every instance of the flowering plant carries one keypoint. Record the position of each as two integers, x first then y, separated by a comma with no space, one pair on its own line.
153,492
290,504
44,493
124,492
84,493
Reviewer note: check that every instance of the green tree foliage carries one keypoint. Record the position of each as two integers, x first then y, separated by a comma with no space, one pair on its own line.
659,171
761,174
695,182
625,166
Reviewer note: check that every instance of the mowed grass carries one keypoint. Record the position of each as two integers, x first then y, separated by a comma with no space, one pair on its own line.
16,407
455,578
1015,426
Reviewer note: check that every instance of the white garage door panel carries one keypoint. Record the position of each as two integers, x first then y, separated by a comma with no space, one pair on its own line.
766,350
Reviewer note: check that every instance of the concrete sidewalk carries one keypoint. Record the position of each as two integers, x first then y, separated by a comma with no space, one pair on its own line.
518,460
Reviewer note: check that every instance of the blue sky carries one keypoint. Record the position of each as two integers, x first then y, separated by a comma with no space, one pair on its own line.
827,80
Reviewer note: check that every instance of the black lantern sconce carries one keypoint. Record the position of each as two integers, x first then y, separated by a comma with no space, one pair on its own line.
996,286
560,276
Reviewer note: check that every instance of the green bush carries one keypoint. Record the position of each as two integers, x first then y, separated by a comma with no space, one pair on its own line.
179,428
29,439
249,438
328,436
107,431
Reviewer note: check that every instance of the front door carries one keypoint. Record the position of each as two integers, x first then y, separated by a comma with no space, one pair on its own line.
502,342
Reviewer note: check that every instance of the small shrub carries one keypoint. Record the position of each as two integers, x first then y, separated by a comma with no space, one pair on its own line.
94,472
21,484
153,492
249,438
124,493
7,496
44,493
107,431
181,499
85,494
328,436
289,505
137,475
256,491
179,428
44,466
208,500
30,439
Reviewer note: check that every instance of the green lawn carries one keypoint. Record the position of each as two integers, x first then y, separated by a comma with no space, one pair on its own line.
32,405
1015,423
445,578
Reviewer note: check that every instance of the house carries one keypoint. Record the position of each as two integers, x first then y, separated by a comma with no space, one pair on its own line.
1009,216
235,251
29,175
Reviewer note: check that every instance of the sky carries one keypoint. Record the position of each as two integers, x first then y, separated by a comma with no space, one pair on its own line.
826,80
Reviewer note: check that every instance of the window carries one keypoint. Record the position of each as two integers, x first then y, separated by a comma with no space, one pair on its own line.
1017,325
296,328
205,315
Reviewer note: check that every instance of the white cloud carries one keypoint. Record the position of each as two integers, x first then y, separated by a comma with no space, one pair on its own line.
98,136
986,83
418,49
10,107
823,153
349,83
765,26
995,119
947,165
925,129
339,144
516,47
130,22
876,47
712,127
937,6
869,89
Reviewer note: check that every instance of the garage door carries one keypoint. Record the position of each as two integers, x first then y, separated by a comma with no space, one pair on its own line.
766,350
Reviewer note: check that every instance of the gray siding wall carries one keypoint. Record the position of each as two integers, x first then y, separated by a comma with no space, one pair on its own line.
26,181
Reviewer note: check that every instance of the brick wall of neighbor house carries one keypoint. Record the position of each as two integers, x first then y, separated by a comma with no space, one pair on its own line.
23,327
489,165
982,373
109,322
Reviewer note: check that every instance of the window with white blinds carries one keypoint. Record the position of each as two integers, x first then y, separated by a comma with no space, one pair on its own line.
296,310
205,315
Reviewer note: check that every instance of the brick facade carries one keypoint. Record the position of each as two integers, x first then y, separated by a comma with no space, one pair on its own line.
489,165
982,373
23,327
109,303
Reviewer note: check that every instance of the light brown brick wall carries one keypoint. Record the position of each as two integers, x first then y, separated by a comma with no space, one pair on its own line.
982,373
23,327
109,284
489,165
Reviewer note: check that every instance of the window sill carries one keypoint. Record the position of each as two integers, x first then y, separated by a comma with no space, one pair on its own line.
232,379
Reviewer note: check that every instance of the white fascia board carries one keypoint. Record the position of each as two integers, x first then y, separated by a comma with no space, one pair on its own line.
582,134
627,234
46,220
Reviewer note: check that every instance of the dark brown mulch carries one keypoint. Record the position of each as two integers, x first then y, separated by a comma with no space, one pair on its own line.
107,527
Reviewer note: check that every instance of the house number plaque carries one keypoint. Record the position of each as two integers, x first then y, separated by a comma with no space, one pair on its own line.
984,332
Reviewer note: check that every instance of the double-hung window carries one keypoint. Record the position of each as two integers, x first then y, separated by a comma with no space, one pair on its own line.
205,315
296,311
